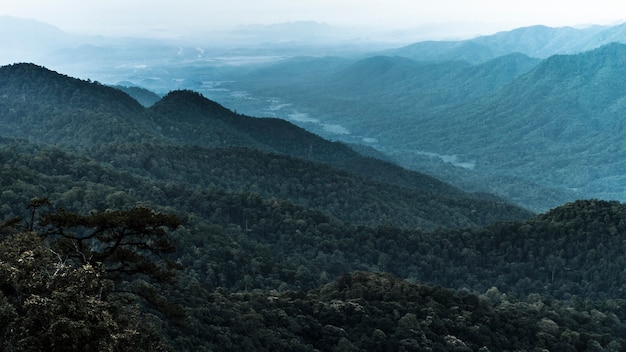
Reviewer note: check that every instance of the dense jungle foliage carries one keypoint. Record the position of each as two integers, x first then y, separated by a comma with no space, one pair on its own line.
137,240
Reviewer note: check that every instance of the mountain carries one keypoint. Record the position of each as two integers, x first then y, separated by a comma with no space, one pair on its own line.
171,141
29,40
559,124
144,96
285,239
356,94
538,132
534,41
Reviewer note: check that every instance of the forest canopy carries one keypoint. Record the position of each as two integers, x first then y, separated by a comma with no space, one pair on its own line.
186,226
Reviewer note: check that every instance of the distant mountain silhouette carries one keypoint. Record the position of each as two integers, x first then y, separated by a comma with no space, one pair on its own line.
534,41
29,40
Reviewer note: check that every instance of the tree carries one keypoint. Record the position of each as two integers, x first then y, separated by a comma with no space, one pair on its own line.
125,242
48,304
71,286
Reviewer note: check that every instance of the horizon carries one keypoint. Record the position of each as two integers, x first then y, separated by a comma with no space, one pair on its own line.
387,37
420,20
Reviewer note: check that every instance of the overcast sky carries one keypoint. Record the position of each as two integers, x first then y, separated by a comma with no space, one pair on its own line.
173,17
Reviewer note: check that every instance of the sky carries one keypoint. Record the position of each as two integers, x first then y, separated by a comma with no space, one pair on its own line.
177,17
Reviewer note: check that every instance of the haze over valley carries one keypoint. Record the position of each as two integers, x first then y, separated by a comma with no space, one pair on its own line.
440,107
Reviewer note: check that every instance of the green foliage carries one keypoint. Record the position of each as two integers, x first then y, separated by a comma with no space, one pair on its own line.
378,312
267,242
123,242
50,304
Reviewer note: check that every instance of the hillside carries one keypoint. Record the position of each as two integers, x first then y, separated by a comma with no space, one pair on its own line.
539,133
271,238
367,95
263,271
558,125
166,142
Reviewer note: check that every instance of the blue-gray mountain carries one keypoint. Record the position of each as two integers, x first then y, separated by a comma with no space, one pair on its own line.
560,125
539,132
534,41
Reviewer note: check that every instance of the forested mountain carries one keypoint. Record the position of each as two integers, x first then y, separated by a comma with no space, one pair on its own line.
156,142
560,125
235,243
534,41
368,95
549,127
143,96
283,240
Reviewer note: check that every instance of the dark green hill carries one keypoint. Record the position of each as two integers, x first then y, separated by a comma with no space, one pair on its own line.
161,142
241,252
366,199
45,106
37,85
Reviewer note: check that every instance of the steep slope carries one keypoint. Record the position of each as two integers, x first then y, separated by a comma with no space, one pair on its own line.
159,142
341,194
363,95
186,117
45,106
560,125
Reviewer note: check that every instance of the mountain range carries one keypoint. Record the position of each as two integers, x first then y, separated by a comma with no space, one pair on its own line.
286,224
55,109
548,126
395,101
290,241
534,41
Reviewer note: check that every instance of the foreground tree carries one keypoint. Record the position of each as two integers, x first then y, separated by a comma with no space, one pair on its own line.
124,242
73,286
